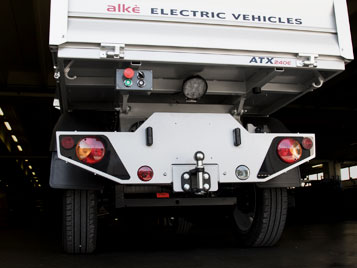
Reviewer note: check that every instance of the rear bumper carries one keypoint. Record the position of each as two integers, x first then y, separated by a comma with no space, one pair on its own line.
175,139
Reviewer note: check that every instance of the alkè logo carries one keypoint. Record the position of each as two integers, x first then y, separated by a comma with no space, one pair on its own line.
123,8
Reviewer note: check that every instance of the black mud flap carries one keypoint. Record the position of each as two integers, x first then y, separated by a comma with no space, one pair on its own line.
67,176
292,178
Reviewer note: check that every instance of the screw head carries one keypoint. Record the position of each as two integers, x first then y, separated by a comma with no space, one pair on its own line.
206,187
186,176
186,187
206,176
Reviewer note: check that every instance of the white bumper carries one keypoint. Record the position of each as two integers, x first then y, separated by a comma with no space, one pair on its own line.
176,138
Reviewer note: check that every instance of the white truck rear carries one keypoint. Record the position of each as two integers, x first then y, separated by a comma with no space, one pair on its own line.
170,101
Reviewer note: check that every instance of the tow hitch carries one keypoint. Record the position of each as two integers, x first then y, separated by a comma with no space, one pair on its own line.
196,180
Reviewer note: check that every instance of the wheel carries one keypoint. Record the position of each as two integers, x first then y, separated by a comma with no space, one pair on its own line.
260,216
79,221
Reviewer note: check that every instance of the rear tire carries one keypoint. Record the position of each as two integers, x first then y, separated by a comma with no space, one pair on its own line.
79,221
264,225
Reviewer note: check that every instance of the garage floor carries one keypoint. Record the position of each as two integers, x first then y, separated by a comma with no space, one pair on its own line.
302,245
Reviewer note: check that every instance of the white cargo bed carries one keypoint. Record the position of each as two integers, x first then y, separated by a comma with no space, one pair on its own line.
284,47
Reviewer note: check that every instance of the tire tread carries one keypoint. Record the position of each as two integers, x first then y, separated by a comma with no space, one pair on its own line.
269,222
79,221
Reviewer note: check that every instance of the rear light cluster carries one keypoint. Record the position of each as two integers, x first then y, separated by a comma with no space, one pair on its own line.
89,150
290,150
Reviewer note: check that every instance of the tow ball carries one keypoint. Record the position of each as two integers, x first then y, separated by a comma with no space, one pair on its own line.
196,180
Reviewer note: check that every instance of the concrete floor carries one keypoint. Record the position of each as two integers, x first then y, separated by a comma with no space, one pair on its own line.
302,245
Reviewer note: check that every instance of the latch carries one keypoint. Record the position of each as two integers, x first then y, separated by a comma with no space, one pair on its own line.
113,51
307,60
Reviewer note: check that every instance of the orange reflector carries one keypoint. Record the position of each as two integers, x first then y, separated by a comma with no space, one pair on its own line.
162,195
289,150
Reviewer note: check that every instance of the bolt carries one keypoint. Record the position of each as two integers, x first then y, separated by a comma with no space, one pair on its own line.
186,176
224,173
186,187
206,176
206,187
165,174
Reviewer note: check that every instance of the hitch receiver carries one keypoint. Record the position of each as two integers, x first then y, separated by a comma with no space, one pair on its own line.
196,180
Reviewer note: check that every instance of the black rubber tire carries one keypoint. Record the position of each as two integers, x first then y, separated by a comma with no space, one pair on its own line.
269,218
79,221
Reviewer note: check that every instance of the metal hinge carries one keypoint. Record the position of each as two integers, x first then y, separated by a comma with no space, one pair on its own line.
114,51
307,60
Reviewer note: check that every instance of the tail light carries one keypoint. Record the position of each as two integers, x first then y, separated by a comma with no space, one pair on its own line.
90,150
307,143
145,173
289,150
67,142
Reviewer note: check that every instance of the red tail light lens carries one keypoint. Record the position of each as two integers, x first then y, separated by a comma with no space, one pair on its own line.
289,150
145,173
90,150
307,143
67,142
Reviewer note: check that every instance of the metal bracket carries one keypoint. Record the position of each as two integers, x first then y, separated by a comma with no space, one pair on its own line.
114,51
240,110
125,109
307,60
254,85
56,73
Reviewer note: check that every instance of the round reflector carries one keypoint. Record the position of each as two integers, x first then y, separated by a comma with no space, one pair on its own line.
289,150
307,143
67,142
90,150
194,88
145,173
